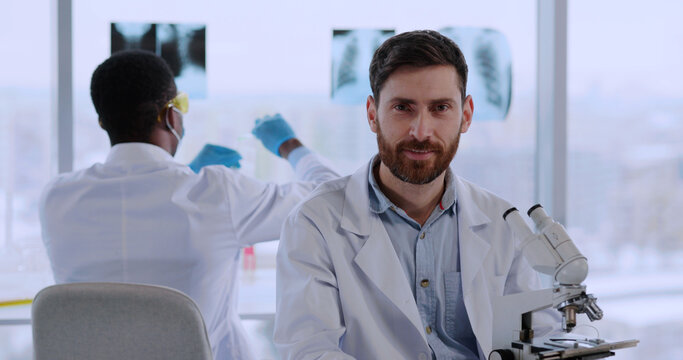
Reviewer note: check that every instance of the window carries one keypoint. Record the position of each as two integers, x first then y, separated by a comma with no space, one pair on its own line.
625,188
266,57
262,57
26,158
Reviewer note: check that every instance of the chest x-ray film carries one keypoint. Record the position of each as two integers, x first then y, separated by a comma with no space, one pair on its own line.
352,52
489,79
183,46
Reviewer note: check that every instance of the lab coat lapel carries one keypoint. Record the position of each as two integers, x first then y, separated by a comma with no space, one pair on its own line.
473,248
356,215
473,251
377,258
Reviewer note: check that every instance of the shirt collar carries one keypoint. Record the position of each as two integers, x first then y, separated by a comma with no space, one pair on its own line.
379,203
134,153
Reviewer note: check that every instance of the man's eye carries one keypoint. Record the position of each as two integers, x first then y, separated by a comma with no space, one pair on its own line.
400,107
442,107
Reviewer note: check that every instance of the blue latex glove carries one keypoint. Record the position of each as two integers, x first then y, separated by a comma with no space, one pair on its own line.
273,131
215,155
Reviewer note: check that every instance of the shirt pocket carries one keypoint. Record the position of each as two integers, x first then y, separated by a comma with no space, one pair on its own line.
457,324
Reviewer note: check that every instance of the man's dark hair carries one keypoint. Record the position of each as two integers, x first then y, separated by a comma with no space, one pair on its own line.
128,91
419,48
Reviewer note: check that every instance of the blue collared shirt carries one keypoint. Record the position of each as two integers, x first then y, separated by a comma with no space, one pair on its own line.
429,256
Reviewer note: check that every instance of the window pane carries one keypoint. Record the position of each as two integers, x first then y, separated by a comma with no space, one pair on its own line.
25,157
625,165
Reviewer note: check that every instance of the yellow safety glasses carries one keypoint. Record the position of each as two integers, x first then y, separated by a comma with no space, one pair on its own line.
180,102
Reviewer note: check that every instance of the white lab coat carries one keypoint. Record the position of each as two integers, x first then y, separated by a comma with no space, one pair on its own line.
341,291
142,217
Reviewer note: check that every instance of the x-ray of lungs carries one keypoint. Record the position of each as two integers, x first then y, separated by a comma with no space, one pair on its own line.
490,69
183,46
126,36
352,52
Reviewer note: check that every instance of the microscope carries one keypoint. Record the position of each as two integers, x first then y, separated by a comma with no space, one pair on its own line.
550,251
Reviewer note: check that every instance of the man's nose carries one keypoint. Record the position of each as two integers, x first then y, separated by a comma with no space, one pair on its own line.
421,128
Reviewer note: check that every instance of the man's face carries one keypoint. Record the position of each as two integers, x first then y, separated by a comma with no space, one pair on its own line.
418,121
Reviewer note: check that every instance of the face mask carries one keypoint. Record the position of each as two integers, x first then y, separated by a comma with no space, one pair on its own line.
175,133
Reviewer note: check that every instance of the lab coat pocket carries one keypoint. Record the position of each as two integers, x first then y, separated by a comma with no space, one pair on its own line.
455,313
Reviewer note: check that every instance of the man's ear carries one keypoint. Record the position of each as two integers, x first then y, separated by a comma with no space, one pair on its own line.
467,113
371,109
101,124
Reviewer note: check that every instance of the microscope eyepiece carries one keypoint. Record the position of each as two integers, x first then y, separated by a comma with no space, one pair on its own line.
508,211
531,209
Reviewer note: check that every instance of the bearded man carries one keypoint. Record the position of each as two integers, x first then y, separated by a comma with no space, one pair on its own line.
402,259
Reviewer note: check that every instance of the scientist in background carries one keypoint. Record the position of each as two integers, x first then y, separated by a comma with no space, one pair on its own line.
402,259
142,217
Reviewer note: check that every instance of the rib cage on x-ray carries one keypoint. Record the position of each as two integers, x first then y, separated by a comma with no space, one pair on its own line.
486,51
133,36
182,46
486,60
490,69
346,74
352,52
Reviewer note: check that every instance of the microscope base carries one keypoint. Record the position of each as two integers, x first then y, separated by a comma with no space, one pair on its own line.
575,348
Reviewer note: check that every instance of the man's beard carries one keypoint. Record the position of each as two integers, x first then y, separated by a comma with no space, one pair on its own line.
416,172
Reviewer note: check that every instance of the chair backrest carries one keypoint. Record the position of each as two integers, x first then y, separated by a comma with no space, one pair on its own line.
117,321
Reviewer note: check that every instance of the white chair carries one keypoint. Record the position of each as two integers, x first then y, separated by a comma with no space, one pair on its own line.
117,321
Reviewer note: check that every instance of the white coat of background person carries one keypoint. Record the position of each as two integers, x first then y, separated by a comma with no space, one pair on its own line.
142,217
350,254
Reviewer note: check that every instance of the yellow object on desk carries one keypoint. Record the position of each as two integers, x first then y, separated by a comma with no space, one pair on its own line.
16,302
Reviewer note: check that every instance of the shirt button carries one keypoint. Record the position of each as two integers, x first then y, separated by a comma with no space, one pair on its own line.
422,236
428,329
422,356
424,283
392,208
